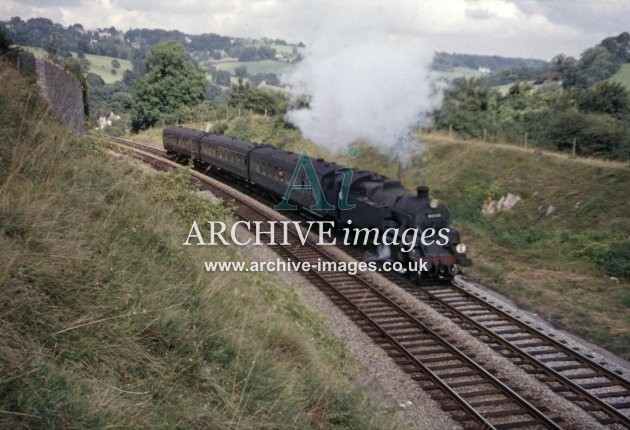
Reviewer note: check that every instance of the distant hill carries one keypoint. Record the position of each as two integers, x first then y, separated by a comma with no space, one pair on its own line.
444,61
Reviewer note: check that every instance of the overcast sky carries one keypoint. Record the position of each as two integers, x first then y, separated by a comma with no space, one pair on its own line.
528,28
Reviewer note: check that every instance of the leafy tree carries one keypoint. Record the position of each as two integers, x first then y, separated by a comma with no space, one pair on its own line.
5,42
596,64
619,46
223,78
171,82
259,101
8,50
594,134
269,78
469,108
606,97
240,72
115,64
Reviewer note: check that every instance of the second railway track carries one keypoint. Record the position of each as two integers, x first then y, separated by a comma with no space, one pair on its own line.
471,394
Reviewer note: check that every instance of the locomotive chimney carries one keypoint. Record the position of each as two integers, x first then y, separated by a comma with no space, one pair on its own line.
423,192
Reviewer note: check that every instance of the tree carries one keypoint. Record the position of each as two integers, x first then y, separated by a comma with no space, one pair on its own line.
222,77
596,64
115,64
259,101
8,50
606,97
594,134
240,72
171,82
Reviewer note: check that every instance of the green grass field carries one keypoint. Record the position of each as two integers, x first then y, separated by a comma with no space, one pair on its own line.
102,66
99,64
459,72
622,76
254,67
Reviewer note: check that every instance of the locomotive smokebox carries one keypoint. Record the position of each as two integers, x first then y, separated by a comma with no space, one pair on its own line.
422,192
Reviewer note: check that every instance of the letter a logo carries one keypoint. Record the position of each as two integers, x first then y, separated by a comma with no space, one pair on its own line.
305,162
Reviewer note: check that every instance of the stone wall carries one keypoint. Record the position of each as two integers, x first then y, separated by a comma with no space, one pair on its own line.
63,93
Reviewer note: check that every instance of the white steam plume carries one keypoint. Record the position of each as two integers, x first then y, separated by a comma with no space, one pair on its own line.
364,84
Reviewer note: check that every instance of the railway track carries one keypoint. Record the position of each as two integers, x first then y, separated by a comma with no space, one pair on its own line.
603,393
472,395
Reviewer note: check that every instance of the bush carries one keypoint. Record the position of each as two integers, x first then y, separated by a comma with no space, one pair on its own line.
220,128
616,260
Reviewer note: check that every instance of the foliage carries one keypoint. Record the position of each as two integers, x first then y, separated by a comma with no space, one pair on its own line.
594,134
222,77
597,118
268,78
616,259
171,82
610,98
257,100
596,64
17,57
446,61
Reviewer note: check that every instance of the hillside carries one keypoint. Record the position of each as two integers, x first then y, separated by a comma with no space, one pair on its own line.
563,251
107,321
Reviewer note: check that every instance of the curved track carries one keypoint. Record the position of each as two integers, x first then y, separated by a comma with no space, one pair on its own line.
472,395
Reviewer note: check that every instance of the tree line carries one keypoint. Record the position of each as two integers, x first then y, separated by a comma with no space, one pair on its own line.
574,108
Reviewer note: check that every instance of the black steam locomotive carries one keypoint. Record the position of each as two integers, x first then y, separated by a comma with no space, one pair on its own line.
377,202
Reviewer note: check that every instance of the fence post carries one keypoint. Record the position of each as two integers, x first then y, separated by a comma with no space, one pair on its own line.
450,130
574,144
525,140
484,134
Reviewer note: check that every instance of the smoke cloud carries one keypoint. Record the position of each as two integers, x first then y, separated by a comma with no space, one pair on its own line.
364,84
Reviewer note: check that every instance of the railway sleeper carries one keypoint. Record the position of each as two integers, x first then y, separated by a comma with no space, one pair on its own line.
533,344
492,324
455,375
481,393
483,402
441,358
619,393
573,366
417,345
518,425
508,413
620,405
561,358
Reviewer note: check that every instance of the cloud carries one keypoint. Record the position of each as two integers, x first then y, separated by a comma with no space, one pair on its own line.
503,27
479,13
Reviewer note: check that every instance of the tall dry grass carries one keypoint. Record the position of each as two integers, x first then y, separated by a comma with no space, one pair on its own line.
107,321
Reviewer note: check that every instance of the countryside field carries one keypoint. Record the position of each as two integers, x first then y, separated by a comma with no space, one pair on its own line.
102,66
254,67
99,64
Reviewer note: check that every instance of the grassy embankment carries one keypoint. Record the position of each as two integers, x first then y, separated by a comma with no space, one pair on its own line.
107,321
559,264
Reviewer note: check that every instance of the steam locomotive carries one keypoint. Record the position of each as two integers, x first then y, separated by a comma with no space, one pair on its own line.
377,202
